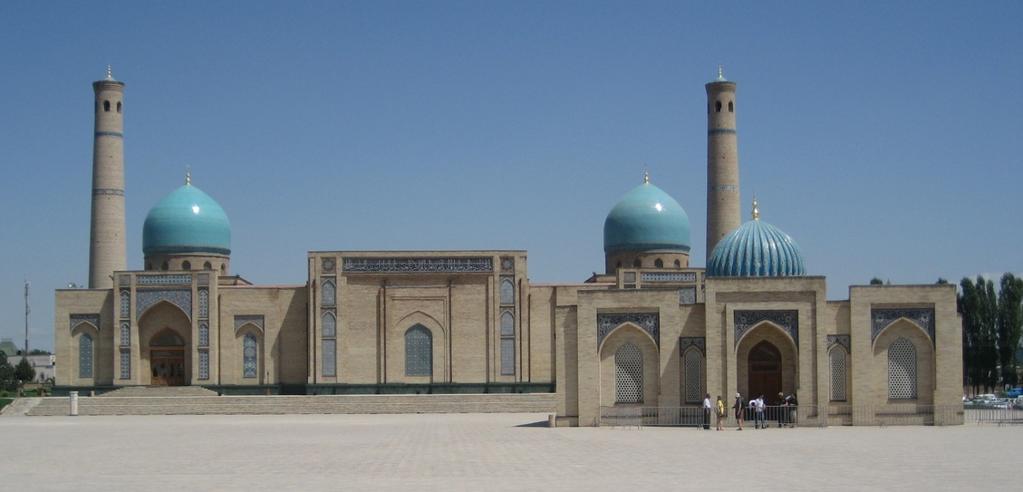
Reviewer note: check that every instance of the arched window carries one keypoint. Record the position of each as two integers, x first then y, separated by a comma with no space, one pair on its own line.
164,266
659,263
636,263
329,333
902,370
678,264
118,106
204,303
692,377
125,334
186,265
204,334
106,106
250,365
149,266
731,107
85,356
125,361
125,304
628,374
223,268
418,351
207,266
507,344
839,371
619,265
328,294
507,291
717,107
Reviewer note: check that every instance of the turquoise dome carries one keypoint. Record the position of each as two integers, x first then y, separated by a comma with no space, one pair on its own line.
186,221
645,219
756,249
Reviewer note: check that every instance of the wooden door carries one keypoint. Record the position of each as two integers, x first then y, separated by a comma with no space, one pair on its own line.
764,371
168,367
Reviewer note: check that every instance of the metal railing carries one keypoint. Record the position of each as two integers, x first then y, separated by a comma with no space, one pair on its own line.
790,416
998,416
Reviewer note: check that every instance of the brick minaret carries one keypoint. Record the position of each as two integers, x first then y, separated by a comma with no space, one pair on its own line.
723,213
106,233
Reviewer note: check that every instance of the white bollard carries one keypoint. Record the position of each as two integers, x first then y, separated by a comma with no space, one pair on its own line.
73,397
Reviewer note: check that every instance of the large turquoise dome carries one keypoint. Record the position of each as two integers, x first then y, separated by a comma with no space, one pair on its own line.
646,219
756,249
186,221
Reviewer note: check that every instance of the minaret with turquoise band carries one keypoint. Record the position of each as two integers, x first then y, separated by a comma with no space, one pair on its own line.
723,205
106,232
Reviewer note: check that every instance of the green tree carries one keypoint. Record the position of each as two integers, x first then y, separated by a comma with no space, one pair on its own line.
24,372
968,307
1010,324
6,373
941,281
876,281
988,316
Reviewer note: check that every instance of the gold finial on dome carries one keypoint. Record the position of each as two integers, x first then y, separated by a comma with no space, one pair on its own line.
646,176
110,73
756,209
188,175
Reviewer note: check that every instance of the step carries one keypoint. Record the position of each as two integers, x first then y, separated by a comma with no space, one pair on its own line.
324,404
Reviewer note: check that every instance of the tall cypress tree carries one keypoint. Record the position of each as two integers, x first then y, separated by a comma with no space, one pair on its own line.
1010,323
989,333
968,307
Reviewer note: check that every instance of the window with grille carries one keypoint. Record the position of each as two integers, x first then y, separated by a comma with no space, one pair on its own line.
125,334
329,346
507,291
628,374
204,334
125,304
204,303
125,364
204,364
418,351
507,344
328,294
902,370
85,356
250,351
692,378
839,372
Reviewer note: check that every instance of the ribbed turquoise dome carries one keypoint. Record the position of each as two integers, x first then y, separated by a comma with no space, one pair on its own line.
756,249
187,221
645,219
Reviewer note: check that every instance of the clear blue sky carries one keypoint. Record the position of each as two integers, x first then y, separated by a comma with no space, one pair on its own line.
884,138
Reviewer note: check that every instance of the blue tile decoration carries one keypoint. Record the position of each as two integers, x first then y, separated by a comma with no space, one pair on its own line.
843,340
77,319
649,322
480,264
242,319
882,317
686,342
182,298
788,320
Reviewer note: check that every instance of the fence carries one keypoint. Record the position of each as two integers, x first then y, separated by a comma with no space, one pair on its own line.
998,416
788,416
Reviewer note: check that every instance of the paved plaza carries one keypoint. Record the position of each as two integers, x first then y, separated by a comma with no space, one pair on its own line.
489,452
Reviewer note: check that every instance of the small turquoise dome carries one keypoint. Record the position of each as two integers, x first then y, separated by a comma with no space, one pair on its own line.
186,221
645,219
756,249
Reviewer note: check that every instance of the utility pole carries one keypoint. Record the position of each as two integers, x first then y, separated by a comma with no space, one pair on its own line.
27,311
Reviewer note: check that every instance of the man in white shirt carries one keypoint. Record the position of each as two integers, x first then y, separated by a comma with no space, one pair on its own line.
706,412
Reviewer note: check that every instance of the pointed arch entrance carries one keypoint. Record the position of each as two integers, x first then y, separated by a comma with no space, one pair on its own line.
764,370
167,359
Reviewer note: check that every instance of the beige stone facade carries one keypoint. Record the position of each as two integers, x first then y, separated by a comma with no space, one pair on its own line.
650,333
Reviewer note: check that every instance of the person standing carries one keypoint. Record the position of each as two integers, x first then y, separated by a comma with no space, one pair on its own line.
759,416
739,409
706,412
720,413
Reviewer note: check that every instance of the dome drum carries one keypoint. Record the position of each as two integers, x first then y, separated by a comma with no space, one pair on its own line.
188,262
646,259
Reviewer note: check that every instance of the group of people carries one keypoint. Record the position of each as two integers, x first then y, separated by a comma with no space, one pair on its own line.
784,412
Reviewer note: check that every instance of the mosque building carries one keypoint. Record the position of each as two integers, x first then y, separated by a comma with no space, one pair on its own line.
652,331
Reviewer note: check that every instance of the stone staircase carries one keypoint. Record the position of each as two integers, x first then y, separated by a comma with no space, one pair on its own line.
148,391
111,404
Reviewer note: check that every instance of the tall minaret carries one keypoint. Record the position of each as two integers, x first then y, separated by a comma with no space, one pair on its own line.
723,214
106,234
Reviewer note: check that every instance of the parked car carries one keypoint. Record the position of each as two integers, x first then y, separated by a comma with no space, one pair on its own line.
1014,392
